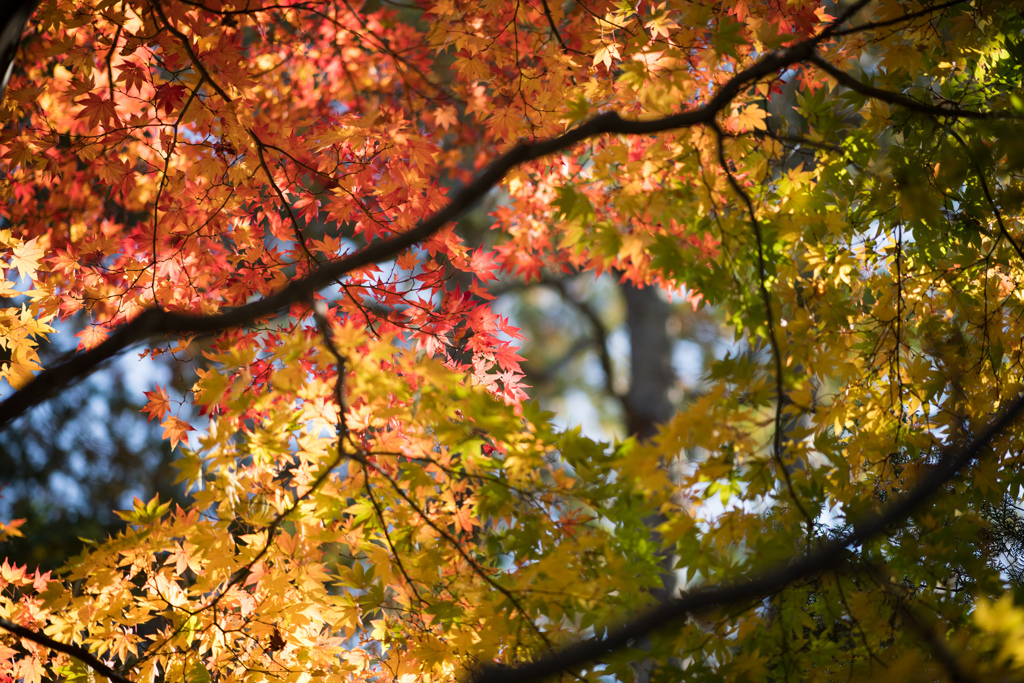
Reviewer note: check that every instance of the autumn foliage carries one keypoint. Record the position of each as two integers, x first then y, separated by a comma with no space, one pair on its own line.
273,191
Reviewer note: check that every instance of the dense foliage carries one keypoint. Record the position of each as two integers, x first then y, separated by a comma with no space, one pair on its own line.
274,189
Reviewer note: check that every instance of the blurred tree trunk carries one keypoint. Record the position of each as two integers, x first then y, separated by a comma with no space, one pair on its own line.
648,404
652,376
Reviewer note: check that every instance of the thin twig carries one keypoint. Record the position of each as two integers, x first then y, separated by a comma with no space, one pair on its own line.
988,194
766,299
296,230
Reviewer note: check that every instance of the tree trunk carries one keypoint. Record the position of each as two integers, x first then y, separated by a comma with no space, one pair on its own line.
647,405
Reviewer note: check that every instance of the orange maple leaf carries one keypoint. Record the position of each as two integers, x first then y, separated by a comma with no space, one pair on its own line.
158,404
184,557
175,430
91,336
446,117
30,670
11,528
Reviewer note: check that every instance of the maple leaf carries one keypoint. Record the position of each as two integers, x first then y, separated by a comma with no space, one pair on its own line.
482,264
184,557
175,430
158,404
446,117
308,207
662,25
99,110
607,53
26,257
92,336
66,261
373,495
11,529
30,670
133,75
168,97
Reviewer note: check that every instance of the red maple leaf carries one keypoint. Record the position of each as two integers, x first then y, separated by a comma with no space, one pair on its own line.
98,109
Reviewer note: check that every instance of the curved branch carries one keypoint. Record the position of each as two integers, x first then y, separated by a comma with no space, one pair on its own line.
978,171
76,651
600,337
554,29
773,339
826,557
901,100
154,322
909,16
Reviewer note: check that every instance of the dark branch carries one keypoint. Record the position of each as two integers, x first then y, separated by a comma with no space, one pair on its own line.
827,556
186,42
901,100
978,171
76,651
554,29
909,16
773,339
600,336
14,15
156,322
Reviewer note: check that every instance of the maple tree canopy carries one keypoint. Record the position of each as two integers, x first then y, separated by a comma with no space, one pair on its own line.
276,186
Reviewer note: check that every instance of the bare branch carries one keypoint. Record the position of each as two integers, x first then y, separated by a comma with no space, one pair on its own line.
600,335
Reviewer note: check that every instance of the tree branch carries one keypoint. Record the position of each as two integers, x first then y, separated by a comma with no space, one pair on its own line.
76,651
600,336
781,398
901,100
978,171
155,321
825,557
186,42
554,29
910,16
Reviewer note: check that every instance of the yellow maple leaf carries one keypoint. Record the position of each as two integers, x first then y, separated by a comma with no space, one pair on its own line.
25,257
